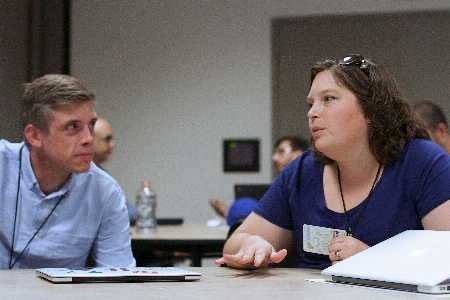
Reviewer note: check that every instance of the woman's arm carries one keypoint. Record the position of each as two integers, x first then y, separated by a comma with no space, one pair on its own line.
438,218
256,243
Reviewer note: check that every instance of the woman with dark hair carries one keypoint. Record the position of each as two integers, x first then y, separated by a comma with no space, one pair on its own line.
371,174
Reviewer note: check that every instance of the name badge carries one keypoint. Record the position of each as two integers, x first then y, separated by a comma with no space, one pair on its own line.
316,239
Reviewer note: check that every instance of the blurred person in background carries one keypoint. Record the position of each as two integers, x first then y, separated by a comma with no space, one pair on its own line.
103,147
435,122
287,149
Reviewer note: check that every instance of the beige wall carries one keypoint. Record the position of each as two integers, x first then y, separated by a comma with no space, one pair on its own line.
413,47
176,77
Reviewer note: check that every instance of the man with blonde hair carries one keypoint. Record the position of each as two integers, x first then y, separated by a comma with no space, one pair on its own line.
57,206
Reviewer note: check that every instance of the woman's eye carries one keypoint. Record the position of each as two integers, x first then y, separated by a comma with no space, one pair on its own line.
328,98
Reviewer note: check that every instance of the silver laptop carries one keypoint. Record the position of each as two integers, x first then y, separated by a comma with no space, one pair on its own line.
414,260
137,274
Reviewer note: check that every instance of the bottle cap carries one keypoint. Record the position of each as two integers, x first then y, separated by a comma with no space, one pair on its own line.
146,184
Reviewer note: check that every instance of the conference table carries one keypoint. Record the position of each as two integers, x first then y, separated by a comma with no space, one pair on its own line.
197,240
216,283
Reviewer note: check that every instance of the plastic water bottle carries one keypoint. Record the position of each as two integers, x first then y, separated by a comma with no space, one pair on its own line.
146,206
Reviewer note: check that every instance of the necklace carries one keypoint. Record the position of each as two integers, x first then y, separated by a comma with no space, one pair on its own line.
11,263
350,229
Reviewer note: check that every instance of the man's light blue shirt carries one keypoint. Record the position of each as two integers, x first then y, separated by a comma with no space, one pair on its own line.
91,215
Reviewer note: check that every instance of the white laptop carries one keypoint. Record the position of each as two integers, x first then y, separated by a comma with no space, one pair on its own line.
414,260
136,274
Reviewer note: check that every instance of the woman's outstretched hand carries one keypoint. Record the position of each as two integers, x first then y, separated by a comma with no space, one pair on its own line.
255,252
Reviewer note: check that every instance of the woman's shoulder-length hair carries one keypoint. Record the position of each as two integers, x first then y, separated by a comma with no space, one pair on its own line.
392,121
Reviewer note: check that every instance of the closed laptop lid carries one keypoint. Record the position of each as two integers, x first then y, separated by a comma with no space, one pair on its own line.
417,257
103,274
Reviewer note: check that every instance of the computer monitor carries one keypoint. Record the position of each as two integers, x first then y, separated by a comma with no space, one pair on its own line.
241,155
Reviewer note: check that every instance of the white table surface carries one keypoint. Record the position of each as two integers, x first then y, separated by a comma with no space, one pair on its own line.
216,283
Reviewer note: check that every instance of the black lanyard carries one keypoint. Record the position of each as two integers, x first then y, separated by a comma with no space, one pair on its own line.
11,263
350,229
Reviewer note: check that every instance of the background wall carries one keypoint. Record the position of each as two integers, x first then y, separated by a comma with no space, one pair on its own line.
34,41
412,46
176,77
13,65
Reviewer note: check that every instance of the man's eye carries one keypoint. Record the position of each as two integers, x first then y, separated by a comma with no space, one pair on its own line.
72,127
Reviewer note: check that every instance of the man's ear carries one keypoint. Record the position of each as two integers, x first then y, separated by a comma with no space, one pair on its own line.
298,153
33,136
442,128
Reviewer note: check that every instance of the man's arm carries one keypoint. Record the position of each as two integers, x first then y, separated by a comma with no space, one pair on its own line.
112,246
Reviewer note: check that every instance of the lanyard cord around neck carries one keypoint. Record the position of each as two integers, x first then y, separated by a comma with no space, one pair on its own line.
350,231
11,263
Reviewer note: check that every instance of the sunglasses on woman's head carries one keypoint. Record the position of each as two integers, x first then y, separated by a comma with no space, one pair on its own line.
354,60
